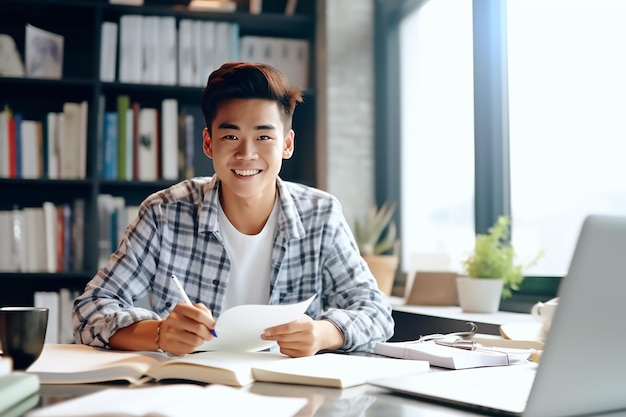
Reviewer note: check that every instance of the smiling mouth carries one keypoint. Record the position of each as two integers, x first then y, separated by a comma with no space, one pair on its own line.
246,172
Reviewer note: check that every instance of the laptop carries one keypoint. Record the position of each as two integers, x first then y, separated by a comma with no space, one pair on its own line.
582,369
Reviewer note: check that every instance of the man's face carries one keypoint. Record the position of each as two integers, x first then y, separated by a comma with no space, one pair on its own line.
247,145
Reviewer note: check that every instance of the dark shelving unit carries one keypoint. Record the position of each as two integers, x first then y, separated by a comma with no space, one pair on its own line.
79,22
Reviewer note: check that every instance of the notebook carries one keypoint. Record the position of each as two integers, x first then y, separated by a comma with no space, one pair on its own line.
583,367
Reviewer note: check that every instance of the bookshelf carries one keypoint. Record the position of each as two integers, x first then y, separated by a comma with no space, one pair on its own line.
79,22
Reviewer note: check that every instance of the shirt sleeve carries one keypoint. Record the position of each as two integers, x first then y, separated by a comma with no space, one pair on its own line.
355,304
107,303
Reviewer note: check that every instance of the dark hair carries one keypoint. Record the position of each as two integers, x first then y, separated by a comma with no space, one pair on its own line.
243,80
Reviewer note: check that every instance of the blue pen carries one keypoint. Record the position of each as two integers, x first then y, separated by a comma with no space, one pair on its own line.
185,297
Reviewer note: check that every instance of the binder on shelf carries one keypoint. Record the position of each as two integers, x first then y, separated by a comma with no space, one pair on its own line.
185,71
130,48
108,51
166,52
169,139
149,50
30,148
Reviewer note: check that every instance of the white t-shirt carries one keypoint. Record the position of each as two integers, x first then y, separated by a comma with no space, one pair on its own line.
251,261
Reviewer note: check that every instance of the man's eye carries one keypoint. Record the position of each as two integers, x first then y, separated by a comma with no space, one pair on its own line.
264,137
230,137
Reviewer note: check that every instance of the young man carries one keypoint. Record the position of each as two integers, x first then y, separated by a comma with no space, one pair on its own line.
243,236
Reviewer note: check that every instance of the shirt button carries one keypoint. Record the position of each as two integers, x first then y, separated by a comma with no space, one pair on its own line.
216,282
168,304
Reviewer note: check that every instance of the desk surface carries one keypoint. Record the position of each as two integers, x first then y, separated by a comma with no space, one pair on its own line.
413,321
359,401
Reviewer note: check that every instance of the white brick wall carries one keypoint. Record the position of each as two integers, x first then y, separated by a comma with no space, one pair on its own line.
345,53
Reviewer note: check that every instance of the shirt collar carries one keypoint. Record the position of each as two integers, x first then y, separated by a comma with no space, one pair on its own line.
289,223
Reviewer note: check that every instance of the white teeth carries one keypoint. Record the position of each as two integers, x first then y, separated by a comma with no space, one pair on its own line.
247,172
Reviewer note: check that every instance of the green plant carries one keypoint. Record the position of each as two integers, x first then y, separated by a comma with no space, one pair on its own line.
494,257
370,231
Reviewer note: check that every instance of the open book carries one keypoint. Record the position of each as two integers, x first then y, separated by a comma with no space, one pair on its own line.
77,364
452,357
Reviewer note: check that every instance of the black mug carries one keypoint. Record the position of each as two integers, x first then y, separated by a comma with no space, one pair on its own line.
22,333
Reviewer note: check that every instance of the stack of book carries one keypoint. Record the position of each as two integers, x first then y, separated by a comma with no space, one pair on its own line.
18,390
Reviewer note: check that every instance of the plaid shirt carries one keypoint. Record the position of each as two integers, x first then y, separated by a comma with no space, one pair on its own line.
177,232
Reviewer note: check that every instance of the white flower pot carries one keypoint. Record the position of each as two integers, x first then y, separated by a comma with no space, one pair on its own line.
479,295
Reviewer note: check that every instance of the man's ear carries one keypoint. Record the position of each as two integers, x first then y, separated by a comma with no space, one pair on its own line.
206,143
289,145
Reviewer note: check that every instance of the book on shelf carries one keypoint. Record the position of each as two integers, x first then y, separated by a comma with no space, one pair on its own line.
47,238
110,145
112,220
52,147
169,138
291,56
123,104
130,35
34,225
78,231
74,142
108,51
49,300
59,304
75,363
31,147
149,49
8,262
453,357
185,70
50,235
173,400
148,144
166,52
44,53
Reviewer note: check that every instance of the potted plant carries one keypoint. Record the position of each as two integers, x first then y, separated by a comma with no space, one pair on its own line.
376,236
492,271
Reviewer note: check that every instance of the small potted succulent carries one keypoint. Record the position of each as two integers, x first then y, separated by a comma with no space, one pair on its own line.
376,236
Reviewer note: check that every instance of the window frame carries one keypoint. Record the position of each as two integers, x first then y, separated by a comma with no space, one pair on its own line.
491,123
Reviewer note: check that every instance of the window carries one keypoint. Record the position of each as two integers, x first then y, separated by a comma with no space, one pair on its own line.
566,106
437,130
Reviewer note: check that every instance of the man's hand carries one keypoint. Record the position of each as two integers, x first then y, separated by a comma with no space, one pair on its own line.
186,327
305,336
181,332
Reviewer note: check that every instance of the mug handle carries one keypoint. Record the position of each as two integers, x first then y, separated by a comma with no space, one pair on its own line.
535,311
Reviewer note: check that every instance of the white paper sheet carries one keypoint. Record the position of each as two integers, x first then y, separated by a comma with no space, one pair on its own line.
180,400
240,328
